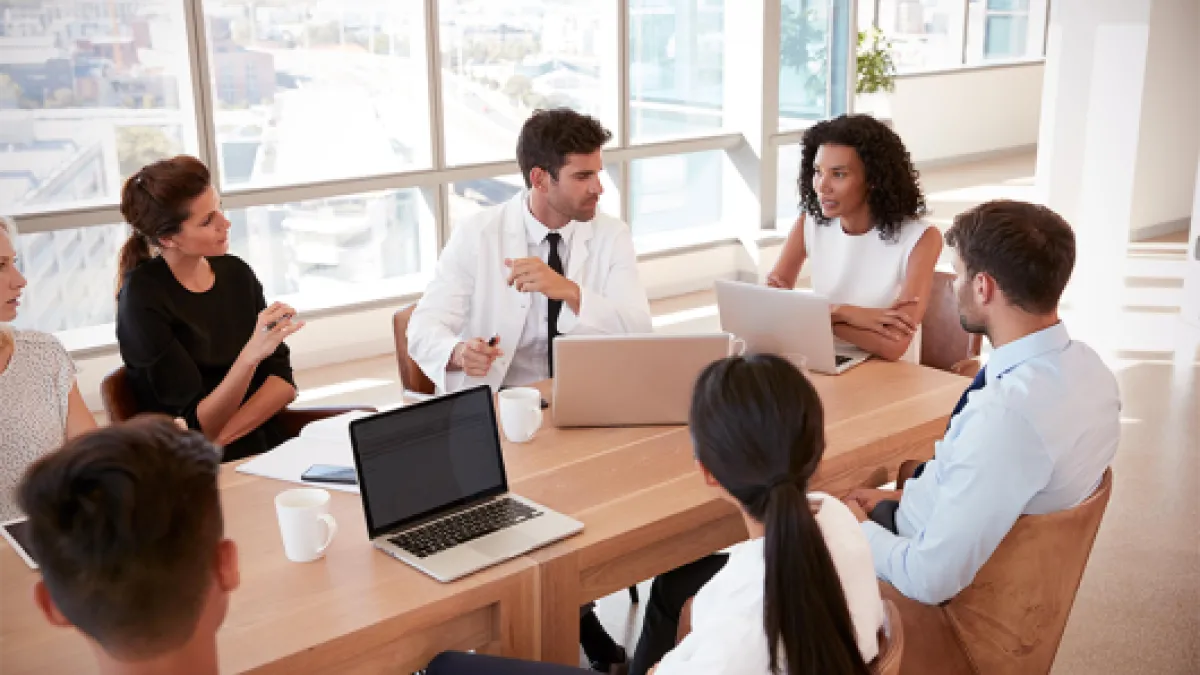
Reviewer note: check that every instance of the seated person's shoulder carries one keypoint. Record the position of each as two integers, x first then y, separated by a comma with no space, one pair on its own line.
148,277
606,224
42,348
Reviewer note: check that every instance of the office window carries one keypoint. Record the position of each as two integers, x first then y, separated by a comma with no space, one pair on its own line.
812,61
675,193
89,92
502,59
472,196
1001,30
315,90
328,252
72,276
925,34
787,191
676,67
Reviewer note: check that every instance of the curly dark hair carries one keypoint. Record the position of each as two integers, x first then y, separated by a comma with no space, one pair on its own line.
894,185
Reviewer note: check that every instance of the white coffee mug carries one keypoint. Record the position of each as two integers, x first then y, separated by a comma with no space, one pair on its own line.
520,413
305,523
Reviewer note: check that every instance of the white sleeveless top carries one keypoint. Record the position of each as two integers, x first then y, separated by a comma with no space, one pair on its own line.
861,270
34,389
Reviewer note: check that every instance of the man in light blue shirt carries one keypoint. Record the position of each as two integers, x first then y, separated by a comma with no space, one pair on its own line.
1034,432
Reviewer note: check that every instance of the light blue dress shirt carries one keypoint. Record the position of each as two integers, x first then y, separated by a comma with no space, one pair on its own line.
1035,439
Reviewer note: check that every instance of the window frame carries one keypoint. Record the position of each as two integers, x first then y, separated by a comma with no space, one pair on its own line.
753,148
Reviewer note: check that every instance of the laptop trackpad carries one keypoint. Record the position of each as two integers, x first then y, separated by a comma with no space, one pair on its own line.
505,543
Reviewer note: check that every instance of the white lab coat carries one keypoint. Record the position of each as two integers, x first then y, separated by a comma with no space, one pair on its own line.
469,295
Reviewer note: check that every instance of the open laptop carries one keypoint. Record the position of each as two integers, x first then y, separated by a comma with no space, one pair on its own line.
791,324
629,380
434,489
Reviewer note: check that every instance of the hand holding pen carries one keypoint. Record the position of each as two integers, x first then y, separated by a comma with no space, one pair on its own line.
275,324
476,356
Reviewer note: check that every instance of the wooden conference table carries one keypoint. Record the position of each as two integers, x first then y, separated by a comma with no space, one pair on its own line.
644,509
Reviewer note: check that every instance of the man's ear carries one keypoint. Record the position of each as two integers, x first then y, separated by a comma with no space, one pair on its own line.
538,178
41,598
985,289
229,577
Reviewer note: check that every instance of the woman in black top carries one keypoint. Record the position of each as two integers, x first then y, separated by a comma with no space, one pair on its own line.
197,337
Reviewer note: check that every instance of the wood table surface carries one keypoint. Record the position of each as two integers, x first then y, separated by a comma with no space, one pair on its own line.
636,490
355,611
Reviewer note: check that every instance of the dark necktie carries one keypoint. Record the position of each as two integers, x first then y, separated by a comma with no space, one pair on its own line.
555,306
976,385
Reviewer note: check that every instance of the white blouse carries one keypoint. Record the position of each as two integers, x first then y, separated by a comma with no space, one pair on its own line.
34,390
728,637
862,270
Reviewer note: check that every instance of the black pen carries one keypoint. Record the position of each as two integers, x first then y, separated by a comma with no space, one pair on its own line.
271,326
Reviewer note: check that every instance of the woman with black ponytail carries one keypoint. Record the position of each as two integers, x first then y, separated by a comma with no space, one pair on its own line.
800,597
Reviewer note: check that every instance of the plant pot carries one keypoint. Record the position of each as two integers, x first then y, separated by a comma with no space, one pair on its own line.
877,104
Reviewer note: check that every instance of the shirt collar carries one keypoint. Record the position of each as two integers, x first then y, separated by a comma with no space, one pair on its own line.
1015,353
536,232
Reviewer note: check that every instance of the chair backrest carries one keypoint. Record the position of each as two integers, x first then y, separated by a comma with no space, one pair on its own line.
117,396
891,643
943,340
411,375
1012,616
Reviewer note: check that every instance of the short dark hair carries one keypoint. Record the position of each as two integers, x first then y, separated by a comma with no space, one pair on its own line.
893,183
1027,248
124,523
548,136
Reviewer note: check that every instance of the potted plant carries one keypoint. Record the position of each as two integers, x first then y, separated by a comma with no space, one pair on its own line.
876,74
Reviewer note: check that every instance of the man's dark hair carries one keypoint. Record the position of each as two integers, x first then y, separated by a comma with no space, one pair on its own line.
1027,248
548,136
124,523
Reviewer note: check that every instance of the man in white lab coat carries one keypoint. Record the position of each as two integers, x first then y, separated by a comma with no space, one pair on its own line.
515,276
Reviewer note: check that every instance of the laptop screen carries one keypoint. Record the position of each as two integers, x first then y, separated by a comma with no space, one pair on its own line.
422,459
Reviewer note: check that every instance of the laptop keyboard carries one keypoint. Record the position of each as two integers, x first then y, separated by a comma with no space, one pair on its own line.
839,360
462,527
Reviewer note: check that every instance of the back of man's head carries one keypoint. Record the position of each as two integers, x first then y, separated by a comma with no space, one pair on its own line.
1027,248
548,136
124,523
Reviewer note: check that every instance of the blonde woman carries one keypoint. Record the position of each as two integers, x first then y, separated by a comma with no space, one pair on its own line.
40,403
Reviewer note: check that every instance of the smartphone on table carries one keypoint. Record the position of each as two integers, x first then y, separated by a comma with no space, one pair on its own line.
330,473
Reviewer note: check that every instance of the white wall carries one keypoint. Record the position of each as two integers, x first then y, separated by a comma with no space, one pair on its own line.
961,114
1170,130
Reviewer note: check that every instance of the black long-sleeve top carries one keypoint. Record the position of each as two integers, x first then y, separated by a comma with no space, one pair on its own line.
179,345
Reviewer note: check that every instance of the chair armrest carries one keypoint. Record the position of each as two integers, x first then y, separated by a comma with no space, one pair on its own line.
292,420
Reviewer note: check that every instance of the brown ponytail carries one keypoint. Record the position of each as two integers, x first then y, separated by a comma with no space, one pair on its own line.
758,428
155,202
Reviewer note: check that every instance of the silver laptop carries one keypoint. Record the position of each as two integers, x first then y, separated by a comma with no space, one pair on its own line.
434,490
792,324
630,380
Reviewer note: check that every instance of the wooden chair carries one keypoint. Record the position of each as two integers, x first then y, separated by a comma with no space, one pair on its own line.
943,340
891,643
411,375
1011,618
120,405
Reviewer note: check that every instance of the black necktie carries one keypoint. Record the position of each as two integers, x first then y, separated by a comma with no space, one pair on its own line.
976,385
555,306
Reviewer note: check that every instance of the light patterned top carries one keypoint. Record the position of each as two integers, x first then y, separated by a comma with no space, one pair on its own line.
34,389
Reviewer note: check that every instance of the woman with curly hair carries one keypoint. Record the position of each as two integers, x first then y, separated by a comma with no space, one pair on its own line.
861,224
